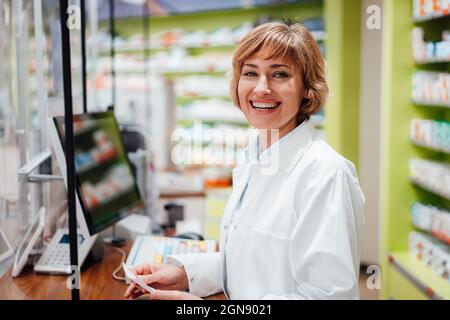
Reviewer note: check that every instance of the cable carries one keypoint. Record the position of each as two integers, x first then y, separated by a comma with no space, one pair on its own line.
116,277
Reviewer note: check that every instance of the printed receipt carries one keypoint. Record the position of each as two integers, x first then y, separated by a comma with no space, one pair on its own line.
135,279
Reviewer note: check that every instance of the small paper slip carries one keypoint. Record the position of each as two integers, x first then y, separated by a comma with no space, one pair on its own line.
135,279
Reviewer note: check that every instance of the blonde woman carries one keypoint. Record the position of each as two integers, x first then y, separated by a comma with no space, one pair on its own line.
291,232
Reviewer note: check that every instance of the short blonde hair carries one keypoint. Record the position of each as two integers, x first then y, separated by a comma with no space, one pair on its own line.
293,42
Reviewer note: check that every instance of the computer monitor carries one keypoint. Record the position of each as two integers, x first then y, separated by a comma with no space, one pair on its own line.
105,186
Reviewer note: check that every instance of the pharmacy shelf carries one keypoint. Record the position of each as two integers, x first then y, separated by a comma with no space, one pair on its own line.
432,61
184,120
319,36
429,188
430,18
430,147
422,276
221,144
184,73
430,104
154,49
183,99
430,234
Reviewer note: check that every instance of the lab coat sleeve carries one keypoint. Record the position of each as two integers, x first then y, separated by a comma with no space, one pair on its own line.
204,272
324,251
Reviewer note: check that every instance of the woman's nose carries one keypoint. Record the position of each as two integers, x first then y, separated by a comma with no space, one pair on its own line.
262,86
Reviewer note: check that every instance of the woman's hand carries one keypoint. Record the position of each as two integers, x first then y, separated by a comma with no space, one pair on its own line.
172,295
165,277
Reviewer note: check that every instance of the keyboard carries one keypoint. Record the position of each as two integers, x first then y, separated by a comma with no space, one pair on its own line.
156,249
56,257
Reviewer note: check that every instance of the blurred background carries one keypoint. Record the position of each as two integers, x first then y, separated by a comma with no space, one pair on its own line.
164,66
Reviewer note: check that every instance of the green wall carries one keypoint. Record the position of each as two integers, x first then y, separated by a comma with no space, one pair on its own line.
343,23
397,193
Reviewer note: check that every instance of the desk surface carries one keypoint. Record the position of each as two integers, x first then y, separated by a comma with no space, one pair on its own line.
97,282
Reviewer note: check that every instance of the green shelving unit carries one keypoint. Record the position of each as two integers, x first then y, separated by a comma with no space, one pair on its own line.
397,192
425,282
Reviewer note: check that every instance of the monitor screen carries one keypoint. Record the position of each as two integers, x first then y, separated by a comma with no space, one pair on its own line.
105,184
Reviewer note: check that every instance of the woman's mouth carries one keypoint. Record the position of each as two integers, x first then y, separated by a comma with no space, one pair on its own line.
264,106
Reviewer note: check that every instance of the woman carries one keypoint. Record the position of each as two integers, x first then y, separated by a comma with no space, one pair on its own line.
292,225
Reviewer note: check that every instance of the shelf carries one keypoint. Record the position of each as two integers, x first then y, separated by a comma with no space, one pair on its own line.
429,189
422,276
430,234
213,120
429,18
430,147
432,61
430,104
319,36
140,50
183,99
211,144
184,73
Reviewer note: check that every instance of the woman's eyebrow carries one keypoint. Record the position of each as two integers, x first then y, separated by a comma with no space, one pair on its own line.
272,66
280,66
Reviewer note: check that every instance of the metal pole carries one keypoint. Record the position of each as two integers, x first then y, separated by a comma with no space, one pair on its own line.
83,53
69,149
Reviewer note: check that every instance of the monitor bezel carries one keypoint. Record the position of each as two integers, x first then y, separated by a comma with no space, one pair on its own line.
83,213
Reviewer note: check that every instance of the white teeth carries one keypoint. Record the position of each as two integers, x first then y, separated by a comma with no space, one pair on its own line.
263,105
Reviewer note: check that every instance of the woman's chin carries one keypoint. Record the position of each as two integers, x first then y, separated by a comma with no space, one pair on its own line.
259,123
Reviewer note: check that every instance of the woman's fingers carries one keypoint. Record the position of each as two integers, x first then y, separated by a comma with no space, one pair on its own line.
142,269
129,291
132,289
150,278
172,295
137,294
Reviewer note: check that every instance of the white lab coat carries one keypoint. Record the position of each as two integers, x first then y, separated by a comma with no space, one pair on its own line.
296,231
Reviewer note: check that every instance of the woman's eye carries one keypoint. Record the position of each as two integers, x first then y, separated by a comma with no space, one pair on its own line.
280,75
250,74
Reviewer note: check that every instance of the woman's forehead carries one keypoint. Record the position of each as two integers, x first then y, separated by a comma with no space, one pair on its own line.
264,59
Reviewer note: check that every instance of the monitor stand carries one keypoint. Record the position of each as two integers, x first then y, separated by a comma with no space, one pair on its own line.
113,239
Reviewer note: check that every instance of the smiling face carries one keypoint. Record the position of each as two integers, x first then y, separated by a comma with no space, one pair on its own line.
270,93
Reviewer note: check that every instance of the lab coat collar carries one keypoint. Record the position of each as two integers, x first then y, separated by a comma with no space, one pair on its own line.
286,152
